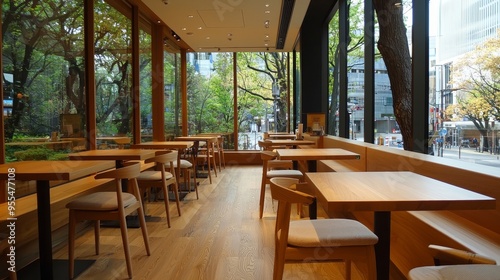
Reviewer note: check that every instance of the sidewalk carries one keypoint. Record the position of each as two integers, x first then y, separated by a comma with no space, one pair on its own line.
471,155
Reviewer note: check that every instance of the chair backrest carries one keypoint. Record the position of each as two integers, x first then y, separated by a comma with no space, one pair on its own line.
127,172
164,159
267,155
281,191
265,145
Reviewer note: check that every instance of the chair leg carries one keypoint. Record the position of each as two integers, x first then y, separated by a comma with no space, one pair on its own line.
195,183
144,229
279,267
262,196
347,269
71,243
97,234
175,189
167,207
126,249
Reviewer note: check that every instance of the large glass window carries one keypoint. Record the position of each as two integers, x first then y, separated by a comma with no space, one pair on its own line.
145,80
355,72
173,111
113,73
210,94
263,99
43,79
463,105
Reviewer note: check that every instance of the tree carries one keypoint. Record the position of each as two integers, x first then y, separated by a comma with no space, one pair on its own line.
37,38
268,69
393,46
477,74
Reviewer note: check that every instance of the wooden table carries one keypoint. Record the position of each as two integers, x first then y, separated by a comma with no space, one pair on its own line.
290,142
314,154
177,145
383,192
282,136
119,156
44,172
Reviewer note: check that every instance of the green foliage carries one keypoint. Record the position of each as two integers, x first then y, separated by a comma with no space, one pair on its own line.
477,75
39,154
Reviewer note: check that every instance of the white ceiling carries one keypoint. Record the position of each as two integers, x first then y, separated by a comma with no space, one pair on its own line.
229,25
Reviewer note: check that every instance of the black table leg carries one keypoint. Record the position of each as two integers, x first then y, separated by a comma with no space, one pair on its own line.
382,228
44,228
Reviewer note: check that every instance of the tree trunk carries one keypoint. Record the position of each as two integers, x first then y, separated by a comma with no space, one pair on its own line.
393,45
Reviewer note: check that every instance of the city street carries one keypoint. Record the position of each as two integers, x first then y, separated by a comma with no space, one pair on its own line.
471,155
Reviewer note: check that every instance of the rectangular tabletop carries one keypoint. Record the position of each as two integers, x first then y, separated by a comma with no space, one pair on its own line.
316,154
53,170
383,192
282,136
290,142
392,191
114,154
43,172
208,138
163,145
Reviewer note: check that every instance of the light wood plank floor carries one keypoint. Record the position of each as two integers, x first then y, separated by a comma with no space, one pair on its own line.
219,236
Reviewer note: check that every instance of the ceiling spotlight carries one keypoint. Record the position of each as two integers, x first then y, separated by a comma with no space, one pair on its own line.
176,37
266,24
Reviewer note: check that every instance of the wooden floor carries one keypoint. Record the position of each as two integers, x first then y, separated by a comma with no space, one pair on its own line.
219,236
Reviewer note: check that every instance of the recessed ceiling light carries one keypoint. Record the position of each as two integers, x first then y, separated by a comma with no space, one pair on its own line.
208,38
190,16
267,12
184,28
267,5
229,34
266,24
200,28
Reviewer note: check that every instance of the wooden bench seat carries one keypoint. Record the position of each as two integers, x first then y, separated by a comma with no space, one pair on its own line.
469,235
337,166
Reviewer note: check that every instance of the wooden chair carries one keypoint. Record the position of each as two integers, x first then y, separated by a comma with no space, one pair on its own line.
219,151
109,206
163,177
187,165
272,168
457,264
207,155
318,240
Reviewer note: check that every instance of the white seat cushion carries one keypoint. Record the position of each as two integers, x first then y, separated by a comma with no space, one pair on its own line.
284,173
153,176
329,233
456,272
184,164
101,201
